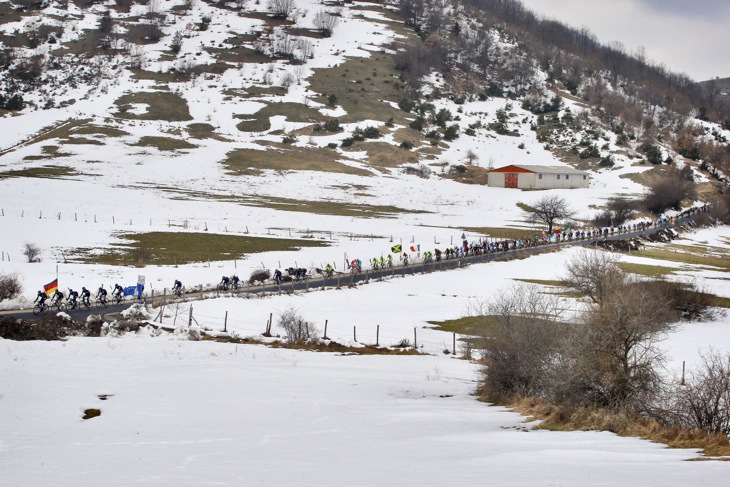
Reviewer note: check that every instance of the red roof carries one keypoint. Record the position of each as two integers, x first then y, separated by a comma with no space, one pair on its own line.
512,168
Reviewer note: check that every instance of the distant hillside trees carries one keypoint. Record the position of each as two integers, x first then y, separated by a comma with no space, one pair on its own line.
325,22
281,9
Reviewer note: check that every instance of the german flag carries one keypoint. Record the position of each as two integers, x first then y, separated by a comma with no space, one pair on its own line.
396,249
51,287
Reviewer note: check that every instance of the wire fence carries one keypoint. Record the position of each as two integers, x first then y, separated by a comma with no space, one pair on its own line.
182,315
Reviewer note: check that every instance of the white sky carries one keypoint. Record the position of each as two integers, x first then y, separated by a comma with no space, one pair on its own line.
687,36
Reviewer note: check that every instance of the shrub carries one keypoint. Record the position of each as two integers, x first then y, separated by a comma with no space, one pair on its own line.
452,132
332,125
348,142
10,287
417,124
407,144
32,252
296,328
704,402
259,275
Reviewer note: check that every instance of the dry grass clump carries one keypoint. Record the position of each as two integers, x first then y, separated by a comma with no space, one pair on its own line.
622,422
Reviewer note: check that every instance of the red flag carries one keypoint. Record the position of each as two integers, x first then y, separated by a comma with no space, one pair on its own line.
413,249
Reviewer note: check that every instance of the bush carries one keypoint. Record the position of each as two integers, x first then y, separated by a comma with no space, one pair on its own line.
332,125
704,403
348,142
407,144
10,287
452,132
417,124
259,275
296,328
32,252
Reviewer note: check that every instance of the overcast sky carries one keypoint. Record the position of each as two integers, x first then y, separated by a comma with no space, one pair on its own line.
689,36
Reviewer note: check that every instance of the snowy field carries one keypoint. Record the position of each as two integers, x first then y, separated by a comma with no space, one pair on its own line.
180,412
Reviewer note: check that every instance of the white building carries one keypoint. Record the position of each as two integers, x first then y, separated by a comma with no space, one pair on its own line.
537,177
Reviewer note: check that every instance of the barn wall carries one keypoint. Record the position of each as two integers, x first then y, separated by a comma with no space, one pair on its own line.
496,179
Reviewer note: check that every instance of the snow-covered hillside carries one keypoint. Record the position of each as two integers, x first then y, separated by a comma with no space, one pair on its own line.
233,136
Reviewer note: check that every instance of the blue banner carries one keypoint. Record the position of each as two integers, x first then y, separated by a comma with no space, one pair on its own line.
130,290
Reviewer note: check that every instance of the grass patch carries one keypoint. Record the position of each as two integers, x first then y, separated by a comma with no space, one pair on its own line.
363,99
468,325
622,423
173,248
80,141
685,258
294,112
204,131
160,106
525,207
285,158
92,129
239,54
287,204
164,143
256,92
48,152
45,172
472,175
382,154
646,270
503,232
336,208
159,77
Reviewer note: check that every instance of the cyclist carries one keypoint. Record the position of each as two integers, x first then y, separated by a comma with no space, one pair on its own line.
329,270
57,298
390,261
85,297
101,295
277,277
235,280
374,263
405,259
382,262
118,292
41,299
71,300
225,282
177,288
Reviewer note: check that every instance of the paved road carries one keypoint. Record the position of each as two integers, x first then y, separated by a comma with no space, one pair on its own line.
365,276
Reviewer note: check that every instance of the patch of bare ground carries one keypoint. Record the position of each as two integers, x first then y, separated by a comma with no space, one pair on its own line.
281,157
319,346
469,175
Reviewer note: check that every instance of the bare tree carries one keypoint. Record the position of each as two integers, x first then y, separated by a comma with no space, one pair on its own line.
519,343
550,210
10,286
296,328
306,48
617,352
325,23
594,273
32,252
669,191
704,402
281,9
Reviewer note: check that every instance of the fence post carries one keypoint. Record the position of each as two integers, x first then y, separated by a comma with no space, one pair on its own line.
683,363
190,317
225,323
377,337
415,339
325,329
454,346
354,333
